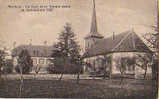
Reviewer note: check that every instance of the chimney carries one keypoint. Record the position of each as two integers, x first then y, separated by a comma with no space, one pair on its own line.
14,44
45,43
30,43
113,36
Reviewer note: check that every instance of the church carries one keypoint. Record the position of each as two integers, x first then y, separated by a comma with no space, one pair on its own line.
103,52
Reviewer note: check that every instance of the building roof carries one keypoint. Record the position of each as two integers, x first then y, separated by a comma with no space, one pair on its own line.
34,50
127,41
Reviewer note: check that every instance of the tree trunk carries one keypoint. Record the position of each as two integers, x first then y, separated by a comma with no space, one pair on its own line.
110,71
78,77
145,72
111,64
104,71
21,82
1,80
122,78
61,77
35,76
154,70
57,76
0,72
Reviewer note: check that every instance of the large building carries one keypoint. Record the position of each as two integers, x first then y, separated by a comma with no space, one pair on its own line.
124,44
41,55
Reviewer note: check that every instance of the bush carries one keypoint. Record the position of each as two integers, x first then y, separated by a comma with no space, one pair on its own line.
25,69
58,69
8,67
50,69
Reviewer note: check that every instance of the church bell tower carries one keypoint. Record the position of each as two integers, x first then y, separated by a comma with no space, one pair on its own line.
93,35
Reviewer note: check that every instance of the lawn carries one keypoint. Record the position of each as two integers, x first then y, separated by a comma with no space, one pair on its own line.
87,88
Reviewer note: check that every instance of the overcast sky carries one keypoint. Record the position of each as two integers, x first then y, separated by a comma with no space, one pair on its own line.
112,16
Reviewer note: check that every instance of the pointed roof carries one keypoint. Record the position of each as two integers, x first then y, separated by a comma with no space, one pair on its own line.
94,28
127,41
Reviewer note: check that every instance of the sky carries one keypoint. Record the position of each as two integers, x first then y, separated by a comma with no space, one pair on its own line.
112,16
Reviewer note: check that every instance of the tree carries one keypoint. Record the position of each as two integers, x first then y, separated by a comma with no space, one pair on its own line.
8,66
143,61
107,63
67,56
24,66
25,62
2,60
124,64
152,42
37,69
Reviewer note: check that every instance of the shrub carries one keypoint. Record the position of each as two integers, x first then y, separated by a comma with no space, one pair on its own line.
67,69
25,69
8,67
50,69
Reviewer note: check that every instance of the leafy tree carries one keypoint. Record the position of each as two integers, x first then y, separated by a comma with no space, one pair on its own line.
67,57
25,62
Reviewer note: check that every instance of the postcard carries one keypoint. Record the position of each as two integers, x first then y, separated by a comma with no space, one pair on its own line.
89,49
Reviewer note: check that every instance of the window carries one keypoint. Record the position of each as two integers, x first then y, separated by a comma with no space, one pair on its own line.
41,61
34,61
37,53
34,52
47,61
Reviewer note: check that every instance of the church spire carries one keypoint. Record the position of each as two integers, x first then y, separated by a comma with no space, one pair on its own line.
94,21
94,28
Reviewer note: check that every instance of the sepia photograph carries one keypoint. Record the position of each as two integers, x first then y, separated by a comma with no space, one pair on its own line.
79,49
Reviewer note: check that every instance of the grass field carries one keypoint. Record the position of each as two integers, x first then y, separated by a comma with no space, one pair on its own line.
87,89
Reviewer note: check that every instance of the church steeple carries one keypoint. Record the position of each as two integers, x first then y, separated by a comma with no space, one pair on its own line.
93,35
94,21
94,28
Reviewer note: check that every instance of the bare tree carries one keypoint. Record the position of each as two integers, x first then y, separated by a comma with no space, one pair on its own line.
152,42
37,69
143,61
107,63
123,63
2,60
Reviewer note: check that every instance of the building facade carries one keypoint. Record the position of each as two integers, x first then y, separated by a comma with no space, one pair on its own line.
41,55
